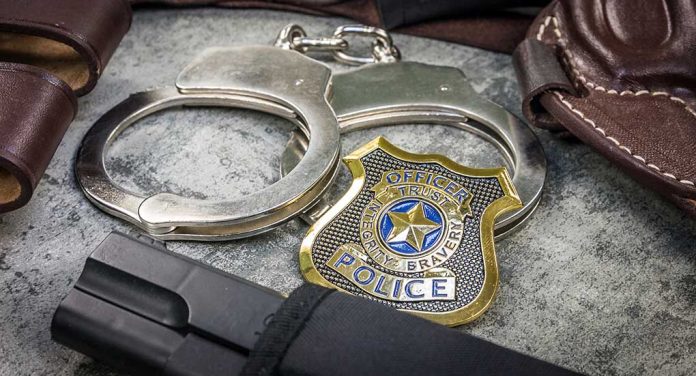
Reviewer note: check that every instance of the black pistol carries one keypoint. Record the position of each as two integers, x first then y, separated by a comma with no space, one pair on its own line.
148,311
145,310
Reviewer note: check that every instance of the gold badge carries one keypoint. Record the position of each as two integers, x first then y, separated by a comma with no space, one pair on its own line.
414,231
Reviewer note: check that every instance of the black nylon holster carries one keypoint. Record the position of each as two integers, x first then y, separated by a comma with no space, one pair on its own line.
323,332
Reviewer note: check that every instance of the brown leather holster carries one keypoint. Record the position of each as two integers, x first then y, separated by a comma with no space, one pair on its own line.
50,52
619,75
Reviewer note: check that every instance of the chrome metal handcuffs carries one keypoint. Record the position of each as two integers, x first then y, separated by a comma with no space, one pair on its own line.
282,81
387,91
245,77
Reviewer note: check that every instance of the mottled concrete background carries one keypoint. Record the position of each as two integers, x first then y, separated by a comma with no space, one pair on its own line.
602,279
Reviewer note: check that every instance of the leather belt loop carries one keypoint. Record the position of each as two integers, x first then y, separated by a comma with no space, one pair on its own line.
73,39
36,108
50,51
538,72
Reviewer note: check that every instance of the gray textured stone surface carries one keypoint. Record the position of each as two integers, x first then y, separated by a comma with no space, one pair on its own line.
602,279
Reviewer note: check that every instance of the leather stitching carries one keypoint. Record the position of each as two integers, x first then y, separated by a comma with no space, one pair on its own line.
616,142
578,76
570,59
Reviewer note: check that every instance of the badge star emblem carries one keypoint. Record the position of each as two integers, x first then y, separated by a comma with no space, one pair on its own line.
411,227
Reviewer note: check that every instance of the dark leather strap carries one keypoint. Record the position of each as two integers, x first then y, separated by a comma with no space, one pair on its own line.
73,39
35,110
539,72
397,13
498,29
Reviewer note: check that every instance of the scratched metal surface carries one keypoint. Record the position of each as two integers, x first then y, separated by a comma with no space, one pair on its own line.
602,279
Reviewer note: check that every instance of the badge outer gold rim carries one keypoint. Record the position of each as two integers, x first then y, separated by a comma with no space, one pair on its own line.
510,201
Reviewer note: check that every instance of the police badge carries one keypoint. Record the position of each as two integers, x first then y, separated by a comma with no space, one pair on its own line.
414,231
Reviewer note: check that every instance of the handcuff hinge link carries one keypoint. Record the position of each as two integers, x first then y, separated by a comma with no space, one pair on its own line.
293,37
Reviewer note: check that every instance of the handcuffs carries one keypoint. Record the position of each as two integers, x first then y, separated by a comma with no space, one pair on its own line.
282,81
244,77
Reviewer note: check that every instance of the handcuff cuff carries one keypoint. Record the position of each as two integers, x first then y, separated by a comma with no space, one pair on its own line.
252,77
387,91
282,81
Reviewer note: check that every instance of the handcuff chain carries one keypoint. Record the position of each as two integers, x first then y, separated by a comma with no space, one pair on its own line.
293,37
